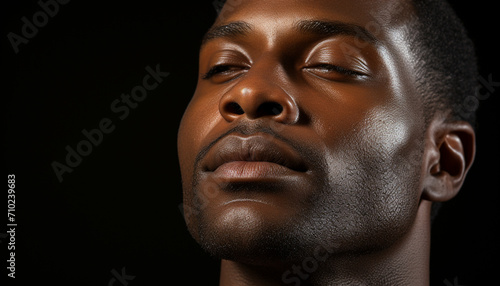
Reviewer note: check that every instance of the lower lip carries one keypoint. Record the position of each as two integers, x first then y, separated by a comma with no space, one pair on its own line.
245,170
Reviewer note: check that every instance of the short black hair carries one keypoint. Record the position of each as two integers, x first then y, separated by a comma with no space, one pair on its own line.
446,66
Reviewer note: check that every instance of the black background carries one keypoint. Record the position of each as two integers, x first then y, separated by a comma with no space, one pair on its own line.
119,207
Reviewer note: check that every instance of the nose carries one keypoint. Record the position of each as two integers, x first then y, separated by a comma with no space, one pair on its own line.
258,95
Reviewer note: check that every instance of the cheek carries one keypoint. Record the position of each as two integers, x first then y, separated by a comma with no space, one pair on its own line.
199,119
374,169
392,158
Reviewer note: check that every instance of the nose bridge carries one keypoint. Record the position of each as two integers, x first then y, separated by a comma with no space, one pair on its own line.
260,93
267,67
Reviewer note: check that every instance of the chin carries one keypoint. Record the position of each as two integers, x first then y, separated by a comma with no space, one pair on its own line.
245,232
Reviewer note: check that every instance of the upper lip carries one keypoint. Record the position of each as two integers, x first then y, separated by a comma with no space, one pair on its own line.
254,148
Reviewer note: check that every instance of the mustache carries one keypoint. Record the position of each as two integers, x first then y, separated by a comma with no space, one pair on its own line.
244,129
306,153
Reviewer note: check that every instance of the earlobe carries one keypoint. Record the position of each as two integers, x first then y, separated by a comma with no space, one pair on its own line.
448,155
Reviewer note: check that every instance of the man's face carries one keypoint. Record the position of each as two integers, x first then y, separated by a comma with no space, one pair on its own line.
305,130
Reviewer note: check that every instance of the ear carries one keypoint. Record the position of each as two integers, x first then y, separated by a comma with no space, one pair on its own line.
448,155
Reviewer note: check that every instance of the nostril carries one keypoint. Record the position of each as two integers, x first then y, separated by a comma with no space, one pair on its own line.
269,108
277,109
234,108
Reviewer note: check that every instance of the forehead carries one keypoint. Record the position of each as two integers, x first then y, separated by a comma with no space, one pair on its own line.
377,16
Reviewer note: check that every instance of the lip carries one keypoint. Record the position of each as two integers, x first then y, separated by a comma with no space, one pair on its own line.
253,157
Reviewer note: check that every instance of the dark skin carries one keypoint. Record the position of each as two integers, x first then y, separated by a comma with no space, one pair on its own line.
304,155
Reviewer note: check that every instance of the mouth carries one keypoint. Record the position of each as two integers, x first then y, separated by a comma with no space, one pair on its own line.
255,157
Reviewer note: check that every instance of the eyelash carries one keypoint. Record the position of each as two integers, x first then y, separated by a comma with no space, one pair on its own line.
219,69
339,69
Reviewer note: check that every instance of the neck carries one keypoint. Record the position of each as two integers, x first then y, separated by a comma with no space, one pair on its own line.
404,263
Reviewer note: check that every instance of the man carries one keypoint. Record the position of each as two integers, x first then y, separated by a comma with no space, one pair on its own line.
320,136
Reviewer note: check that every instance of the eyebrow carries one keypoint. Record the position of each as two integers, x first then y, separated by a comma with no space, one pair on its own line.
230,30
334,28
316,27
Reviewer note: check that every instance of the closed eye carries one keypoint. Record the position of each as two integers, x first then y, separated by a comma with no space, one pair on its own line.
337,69
221,70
